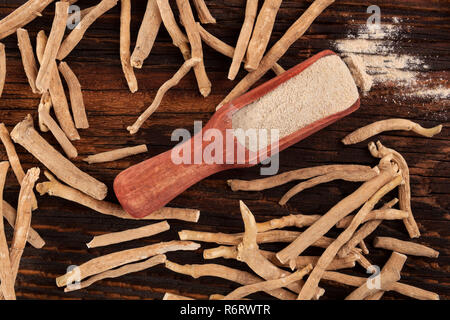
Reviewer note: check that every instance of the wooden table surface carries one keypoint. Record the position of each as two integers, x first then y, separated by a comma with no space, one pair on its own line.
66,226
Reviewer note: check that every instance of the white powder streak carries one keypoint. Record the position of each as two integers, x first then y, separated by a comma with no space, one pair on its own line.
323,89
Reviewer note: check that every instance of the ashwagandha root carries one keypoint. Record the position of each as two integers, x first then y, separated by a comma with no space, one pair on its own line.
389,275
187,17
231,252
364,231
346,175
402,288
25,135
244,38
310,286
23,220
363,246
2,67
71,41
125,21
116,259
22,16
57,94
44,107
378,127
147,34
76,96
364,262
185,68
14,159
57,132
302,261
279,48
176,297
45,74
223,272
128,235
115,273
286,177
261,33
10,214
292,220
404,192
271,236
55,188
336,213
405,247
226,49
28,60
178,38
268,285
203,12
7,283
116,154
248,252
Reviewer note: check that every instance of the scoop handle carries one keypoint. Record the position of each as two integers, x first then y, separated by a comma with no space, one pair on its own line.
149,185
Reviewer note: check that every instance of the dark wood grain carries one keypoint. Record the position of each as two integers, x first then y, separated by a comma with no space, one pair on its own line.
66,227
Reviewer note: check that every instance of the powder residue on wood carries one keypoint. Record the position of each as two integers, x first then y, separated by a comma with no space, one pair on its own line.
324,88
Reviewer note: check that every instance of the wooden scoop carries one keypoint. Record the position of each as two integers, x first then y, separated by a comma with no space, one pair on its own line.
149,185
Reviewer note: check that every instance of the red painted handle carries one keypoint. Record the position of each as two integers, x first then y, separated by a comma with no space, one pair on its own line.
149,185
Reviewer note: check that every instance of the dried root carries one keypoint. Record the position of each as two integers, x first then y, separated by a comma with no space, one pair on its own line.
6,276
338,212
115,154
48,62
185,68
2,67
226,49
310,286
187,17
23,220
244,38
404,289
56,188
244,291
76,96
203,12
128,235
405,247
404,193
25,135
378,127
112,260
286,177
71,41
22,16
279,49
10,214
125,59
223,272
115,273
28,60
389,275
261,33
346,175
147,34
14,159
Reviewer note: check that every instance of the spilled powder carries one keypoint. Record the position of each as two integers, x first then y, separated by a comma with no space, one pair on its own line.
375,49
323,89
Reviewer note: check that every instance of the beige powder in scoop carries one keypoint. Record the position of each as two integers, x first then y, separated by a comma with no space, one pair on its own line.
323,89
